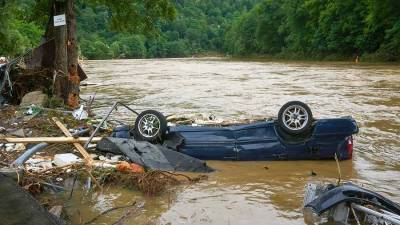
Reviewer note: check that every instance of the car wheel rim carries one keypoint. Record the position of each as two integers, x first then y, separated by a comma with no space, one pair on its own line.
149,126
295,117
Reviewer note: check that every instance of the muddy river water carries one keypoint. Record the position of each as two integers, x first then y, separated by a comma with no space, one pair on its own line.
247,192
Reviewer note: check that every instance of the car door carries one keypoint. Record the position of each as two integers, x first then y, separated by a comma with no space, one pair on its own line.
208,143
258,142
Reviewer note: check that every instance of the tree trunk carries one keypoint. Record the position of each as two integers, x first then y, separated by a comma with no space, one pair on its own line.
72,49
66,86
60,56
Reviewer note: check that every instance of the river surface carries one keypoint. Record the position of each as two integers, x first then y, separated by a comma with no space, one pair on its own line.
247,192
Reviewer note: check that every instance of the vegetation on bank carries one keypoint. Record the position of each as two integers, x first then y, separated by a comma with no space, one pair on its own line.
290,29
198,29
320,29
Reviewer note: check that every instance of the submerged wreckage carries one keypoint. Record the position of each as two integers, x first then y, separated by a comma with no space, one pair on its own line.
294,135
151,143
348,204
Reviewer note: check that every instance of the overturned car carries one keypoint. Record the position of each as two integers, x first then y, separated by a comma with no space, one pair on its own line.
294,135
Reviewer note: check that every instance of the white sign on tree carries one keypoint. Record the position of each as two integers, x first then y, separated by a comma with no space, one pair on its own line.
59,20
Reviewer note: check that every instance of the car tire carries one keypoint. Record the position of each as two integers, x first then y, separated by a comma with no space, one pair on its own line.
295,117
150,125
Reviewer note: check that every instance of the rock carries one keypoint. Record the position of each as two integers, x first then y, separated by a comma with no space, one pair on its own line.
66,159
16,132
29,133
27,118
2,130
34,98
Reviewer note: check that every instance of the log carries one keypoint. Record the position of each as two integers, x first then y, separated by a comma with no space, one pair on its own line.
78,146
82,150
49,139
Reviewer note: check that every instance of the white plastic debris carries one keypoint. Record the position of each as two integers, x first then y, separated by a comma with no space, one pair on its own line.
38,164
66,159
116,158
9,147
80,114
30,110
92,146
103,165
19,147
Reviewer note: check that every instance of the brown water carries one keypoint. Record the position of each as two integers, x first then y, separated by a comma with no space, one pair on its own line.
246,192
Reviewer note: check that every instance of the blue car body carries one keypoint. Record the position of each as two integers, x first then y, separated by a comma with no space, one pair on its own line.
266,141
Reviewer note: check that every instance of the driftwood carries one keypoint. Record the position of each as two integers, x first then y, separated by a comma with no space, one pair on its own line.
49,139
78,146
82,150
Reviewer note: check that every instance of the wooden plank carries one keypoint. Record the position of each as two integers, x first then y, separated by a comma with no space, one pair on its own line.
82,150
78,146
49,139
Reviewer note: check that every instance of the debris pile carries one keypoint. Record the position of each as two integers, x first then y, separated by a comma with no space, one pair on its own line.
41,149
31,78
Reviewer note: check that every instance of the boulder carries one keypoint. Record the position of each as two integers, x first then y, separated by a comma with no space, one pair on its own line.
34,98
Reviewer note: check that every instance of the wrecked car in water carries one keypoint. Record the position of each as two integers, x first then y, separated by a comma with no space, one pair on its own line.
294,135
348,203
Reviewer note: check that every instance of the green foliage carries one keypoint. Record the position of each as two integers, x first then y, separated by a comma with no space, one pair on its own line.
17,32
199,27
319,28
23,22
316,29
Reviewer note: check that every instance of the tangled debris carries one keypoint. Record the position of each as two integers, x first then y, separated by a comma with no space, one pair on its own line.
52,169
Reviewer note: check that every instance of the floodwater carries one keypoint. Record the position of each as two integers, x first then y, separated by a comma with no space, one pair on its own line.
252,192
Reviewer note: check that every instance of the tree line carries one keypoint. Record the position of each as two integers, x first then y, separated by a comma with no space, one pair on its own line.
298,29
319,29
198,29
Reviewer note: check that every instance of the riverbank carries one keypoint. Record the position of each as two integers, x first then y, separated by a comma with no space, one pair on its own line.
367,58
58,171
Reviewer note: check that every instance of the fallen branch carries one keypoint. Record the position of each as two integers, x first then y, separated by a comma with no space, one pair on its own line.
78,146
